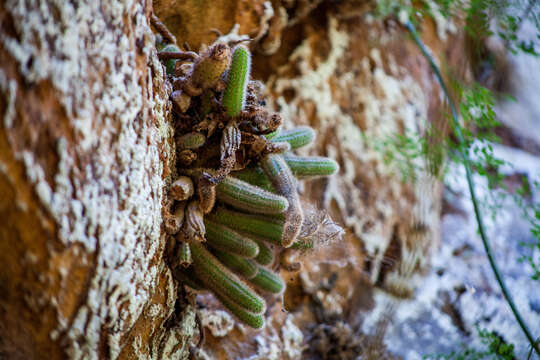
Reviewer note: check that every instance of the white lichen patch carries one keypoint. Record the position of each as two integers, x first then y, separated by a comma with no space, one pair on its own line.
8,89
219,322
331,302
175,343
232,36
285,342
293,340
268,13
154,310
111,202
443,24
267,348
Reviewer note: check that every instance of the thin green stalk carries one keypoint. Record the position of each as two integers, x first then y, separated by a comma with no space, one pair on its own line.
472,191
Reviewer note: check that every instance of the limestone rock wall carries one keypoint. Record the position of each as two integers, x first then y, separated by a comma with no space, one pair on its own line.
357,80
86,144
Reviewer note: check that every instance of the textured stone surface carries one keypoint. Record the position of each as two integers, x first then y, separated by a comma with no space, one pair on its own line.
83,163
355,79
85,148
460,291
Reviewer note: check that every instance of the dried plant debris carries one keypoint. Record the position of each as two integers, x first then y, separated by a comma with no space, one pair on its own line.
235,205
336,335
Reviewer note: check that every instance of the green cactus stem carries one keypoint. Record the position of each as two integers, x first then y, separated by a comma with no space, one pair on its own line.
268,281
244,196
297,137
189,278
184,255
283,180
266,255
268,229
234,97
191,141
170,64
311,166
255,176
273,134
303,167
222,238
209,67
243,267
253,320
222,281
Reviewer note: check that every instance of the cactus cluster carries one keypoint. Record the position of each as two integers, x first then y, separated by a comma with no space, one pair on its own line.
235,202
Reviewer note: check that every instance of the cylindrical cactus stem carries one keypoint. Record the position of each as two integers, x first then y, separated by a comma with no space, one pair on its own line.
193,140
178,55
269,229
268,281
209,67
222,238
206,105
266,255
273,134
188,277
223,282
255,176
311,166
297,137
252,199
243,267
170,64
283,180
302,167
159,42
255,321
184,255
234,97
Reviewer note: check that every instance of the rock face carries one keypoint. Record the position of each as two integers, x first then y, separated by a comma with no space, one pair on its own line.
83,163
357,81
85,149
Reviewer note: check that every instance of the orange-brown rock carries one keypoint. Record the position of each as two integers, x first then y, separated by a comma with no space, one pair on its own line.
358,81
85,160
